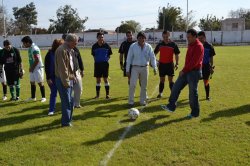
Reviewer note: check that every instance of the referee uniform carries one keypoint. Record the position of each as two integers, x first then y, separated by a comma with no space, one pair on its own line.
209,52
166,61
124,48
101,54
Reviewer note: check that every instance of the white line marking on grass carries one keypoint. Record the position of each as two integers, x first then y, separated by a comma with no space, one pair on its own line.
106,159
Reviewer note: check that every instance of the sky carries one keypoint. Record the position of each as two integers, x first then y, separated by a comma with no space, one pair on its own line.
108,14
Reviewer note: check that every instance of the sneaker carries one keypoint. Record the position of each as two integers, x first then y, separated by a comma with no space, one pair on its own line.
51,113
31,99
79,106
43,100
144,104
208,99
97,97
190,116
67,125
17,98
159,96
130,105
107,97
12,99
165,107
4,98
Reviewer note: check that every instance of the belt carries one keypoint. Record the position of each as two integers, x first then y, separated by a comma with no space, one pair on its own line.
140,66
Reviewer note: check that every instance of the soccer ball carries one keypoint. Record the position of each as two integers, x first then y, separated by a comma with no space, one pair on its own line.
133,113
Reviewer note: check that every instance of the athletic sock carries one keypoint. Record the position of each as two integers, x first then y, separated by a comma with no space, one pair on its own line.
4,90
171,84
42,89
12,92
161,87
17,90
107,87
98,88
207,89
33,91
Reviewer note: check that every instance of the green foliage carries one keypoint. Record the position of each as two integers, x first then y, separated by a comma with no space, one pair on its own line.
130,25
171,18
25,17
68,20
210,23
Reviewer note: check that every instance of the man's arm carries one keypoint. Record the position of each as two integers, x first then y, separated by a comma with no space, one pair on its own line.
177,57
153,60
129,60
61,55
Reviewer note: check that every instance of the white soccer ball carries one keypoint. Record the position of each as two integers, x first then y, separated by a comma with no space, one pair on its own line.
133,113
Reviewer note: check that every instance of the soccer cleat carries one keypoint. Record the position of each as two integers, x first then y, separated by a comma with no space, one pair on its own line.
4,98
159,96
165,107
43,100
51,113
30,99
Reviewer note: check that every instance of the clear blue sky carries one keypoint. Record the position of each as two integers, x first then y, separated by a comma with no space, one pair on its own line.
108,14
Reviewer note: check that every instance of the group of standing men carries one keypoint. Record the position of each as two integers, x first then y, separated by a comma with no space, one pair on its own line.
64,69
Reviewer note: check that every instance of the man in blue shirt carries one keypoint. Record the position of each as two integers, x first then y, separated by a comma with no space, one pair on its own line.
208,62
101,52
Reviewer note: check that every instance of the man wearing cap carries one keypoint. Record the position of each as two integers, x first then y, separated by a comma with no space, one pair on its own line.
140,54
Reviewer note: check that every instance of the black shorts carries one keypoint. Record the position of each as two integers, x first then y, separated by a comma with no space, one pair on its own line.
101,70
11,77
206,71
124,71
166,69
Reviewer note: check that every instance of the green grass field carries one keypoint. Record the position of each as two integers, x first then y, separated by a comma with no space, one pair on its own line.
220,136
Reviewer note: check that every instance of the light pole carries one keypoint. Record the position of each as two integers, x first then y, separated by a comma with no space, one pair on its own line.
187,17
4,25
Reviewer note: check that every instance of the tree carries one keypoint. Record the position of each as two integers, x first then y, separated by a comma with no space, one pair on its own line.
210,23
130,25
170,18
25,17
68,21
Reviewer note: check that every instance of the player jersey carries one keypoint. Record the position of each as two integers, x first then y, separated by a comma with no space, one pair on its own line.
124,48
35,51
167,51
11,59
101,53
208,52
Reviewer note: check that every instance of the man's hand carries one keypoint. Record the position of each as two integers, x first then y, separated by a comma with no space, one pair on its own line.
181,73
128,74
122,68
31,70
49,82
176,66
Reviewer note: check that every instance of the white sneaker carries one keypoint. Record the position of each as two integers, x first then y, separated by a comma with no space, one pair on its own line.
51,113
4,98
43,100
31,99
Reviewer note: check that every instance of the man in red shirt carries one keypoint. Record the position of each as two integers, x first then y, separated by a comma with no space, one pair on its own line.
189,75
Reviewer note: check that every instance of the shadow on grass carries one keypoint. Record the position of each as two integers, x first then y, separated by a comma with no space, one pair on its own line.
245,109
12,134
140,128
248,123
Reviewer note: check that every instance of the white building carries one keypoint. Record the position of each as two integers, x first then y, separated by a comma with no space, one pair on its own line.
233,24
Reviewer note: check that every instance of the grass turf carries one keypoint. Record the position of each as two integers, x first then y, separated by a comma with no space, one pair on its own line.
219,137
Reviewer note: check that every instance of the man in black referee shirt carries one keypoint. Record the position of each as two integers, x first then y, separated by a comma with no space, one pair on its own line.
123,50
101,52
13,68
208,62
167,49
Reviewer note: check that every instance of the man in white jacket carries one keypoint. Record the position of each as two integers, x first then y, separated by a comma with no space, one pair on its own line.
140,55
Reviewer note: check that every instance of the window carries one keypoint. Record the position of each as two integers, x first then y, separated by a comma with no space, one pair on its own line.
235,25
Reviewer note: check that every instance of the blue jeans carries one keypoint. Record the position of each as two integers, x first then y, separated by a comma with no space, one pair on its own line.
191,79
53,95
67,102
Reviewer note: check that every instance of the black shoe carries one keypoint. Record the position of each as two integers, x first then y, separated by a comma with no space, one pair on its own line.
130,105
12,99
107,97
208,99
67,125
97,97
17,98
